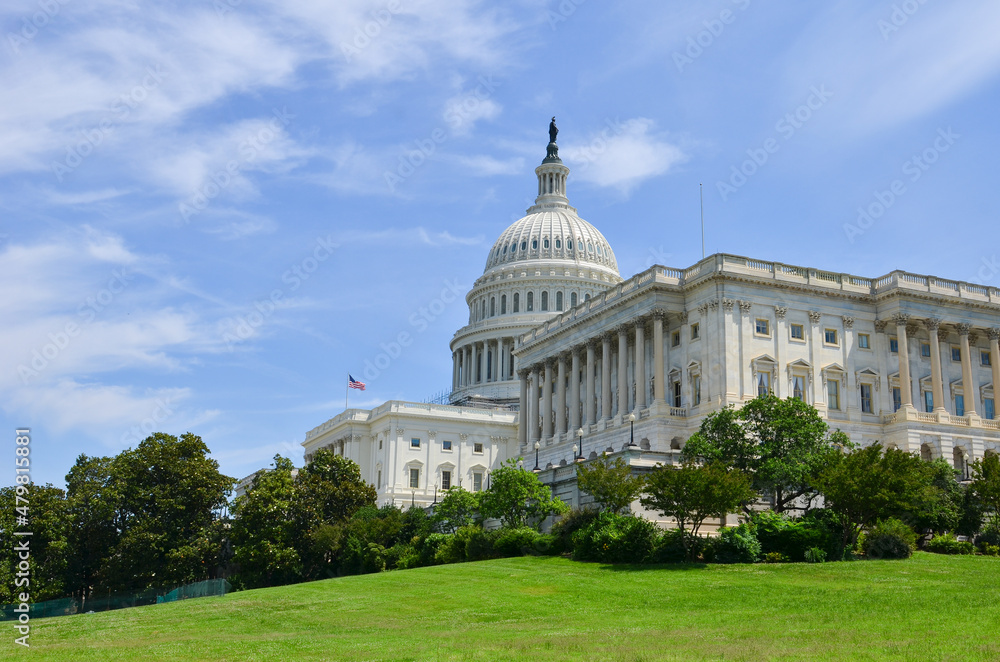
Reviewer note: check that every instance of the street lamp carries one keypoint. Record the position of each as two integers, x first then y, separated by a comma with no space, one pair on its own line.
631,430
537,446
576,458
579,435
520,463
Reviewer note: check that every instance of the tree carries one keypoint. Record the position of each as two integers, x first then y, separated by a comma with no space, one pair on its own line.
91,507
985,485
691,493
610,483
44,509
781,444
941,505
517,496
457,509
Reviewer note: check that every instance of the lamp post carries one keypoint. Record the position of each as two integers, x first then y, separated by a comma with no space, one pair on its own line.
537,446
631,430
520,463
435,494
579,436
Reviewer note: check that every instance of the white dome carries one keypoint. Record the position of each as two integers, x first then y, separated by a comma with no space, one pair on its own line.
556,234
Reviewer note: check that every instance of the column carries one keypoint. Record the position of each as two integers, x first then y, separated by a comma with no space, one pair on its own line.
622,370
606,376
547,401
574,392
590,400
994,336
905,385
522,429
937,384
533,407
640,365
467,368
454,370
968,386
560,404
659,394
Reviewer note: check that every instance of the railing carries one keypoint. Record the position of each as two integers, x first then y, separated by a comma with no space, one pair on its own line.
926,418
680,412
994,425
889,419
960,420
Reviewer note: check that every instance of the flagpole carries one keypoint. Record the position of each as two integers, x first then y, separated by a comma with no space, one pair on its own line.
347,390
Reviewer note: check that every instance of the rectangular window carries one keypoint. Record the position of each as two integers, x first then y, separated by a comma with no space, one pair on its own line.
695,332
797,331
894,345
956,354
984,358
763,384
864,341
833,394
959,405
897,398
830,336
675,339
866,398
989,408
380,444
446,445
925,350
762,327
477,447
445,480
799,387
477,481
697,389
928,401
414,478
379,486
415,442
677,394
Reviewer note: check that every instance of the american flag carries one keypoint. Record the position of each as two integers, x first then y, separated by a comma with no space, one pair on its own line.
353,383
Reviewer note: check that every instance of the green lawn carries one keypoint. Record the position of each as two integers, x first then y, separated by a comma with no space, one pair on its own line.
927,608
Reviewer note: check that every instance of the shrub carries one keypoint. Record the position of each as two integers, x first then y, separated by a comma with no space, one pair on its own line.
815,555
451,550
949,544
478,543
775,557
987,549
793,538
832,525
428,547
737,544
613,538
395,555
570,523
670,547
889,539
989,536
516,542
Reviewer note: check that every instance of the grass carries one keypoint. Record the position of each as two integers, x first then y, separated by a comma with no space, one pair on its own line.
538,608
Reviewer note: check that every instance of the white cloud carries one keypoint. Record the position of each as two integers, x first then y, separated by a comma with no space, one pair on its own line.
623,155
488,166
461,112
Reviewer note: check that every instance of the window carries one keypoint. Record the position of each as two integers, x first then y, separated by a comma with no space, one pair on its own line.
559,300
545,300
572,300
477,447
675,339
524,245
989,408
503,304
864,341
956,354
925,350
763,384
830,337
677,394
531,302
414,478
534,244
697,389
762,328
590,247
984,358
545,243
695,331
959,405
517,302
446,445
894,345
897,398
558,243
569,244
866,398
380,444
378,485
493,306
833,394
797,332
415,442
928,401
445,480
477,481
798,387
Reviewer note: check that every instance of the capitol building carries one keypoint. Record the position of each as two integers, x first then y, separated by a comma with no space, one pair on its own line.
562,359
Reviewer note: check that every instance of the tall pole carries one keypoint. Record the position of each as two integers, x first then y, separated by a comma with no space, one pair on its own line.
347,390
701,193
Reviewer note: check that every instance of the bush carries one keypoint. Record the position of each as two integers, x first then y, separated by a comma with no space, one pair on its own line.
832,525
451,550
478,543
395,555
516,542
792,538
889,539
815,555
775,557
737,544
987,549
613,538
428,547
949,544
988,536
570,523
670,547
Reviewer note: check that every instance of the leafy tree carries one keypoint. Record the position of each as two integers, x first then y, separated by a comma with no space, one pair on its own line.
517,496
691,493
610,483
91,507
781,444
45,510
332,489
941,504
985,485
457,509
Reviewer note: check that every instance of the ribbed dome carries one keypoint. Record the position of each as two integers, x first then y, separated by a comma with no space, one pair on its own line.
557,234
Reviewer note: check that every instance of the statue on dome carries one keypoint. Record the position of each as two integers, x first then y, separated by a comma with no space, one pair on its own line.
553,130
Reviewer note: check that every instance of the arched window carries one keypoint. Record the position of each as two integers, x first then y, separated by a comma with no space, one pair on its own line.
586,297
503,304
569,244
545,301
545,243
534,244
559,300
590,247
493,306
517,302
513,247
531,302
524,245
558,243
482,316
505,250
572,300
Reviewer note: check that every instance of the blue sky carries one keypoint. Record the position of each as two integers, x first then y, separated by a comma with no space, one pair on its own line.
210,212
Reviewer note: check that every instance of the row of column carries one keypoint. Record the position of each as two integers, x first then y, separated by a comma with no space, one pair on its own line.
560,411
483,362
